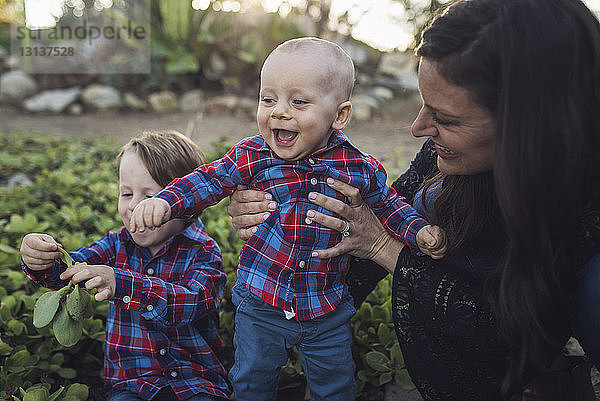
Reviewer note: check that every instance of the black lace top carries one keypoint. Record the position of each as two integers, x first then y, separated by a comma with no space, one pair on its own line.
444,325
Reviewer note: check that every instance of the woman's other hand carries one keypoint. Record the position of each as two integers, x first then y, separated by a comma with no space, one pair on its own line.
249,208
367,238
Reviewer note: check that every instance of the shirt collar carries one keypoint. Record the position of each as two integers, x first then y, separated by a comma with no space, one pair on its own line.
194,232
337,138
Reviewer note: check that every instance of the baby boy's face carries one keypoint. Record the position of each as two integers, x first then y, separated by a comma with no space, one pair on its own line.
296,107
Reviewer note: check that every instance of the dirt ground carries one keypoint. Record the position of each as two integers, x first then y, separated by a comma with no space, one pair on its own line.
386,136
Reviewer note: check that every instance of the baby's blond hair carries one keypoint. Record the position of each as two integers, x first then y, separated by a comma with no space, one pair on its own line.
338,71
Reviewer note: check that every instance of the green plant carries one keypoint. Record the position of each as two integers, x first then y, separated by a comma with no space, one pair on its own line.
73,198
64,308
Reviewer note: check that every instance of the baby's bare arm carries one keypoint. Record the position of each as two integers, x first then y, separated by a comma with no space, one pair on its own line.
149,213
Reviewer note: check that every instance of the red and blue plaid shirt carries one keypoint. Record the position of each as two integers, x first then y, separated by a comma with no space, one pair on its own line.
161,328
276,263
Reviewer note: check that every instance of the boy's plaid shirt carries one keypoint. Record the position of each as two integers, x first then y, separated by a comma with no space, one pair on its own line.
276,263
161,328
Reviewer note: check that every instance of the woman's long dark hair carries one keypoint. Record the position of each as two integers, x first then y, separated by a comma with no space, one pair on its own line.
535,64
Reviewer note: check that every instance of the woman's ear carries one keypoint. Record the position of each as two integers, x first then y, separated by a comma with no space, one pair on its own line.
343,115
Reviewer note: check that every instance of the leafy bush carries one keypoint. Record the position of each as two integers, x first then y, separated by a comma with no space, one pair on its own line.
73,197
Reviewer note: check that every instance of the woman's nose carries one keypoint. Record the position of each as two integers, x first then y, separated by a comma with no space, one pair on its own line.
423,125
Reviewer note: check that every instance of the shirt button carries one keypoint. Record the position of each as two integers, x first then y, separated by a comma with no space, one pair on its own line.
149,308
163,352
308,221
313,181
311,161
173,374
150,271
126,299
302,264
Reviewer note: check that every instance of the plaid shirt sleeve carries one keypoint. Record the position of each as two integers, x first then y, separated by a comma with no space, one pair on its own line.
203,187
176,303
398,217
101,252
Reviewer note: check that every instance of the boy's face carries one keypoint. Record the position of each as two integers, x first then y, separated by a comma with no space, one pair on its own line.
296,110
135,185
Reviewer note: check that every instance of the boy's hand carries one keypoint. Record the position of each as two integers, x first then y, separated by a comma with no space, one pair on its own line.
101,277
39,251
149,213
432,241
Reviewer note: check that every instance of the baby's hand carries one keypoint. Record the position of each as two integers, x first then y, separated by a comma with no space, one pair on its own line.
39,251
432,241
149,213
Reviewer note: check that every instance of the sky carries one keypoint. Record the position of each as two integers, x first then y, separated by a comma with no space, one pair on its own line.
375,22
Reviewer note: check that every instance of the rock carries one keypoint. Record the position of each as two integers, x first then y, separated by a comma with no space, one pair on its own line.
163,102
220,105
247,107
15,86
397,64
18,179
401,66
55,100
13,62
192,100
393,392
101,97
363,106
75,109
131,101
382,92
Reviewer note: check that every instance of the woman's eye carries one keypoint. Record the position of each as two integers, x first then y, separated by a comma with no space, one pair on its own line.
125,195
267,100
149,196
299,102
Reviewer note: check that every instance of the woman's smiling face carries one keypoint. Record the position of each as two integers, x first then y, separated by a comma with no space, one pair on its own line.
462,130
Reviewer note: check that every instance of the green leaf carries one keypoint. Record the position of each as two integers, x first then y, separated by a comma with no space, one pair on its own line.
56,394
385,377
5,349
403,380
66,257
73,304
79,391
378,361
396,355
16,362
67,373
46,307
66,330
38,394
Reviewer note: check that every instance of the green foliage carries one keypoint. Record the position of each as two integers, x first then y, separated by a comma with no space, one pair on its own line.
73,198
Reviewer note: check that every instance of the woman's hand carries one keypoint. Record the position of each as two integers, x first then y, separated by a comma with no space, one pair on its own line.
367,238
249,208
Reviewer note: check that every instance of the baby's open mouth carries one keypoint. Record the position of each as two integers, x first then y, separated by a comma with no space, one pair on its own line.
284,136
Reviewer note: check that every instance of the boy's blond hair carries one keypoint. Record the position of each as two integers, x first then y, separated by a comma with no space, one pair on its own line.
167,154
338,72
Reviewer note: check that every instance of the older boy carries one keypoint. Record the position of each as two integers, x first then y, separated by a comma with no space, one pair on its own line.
304,103
164,285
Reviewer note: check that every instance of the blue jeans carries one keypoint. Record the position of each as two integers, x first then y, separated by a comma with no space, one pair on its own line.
263,335
165,394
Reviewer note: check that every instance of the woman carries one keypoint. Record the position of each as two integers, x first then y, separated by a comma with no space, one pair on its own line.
511,103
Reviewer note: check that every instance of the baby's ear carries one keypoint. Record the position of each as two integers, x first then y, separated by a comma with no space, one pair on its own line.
343,115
